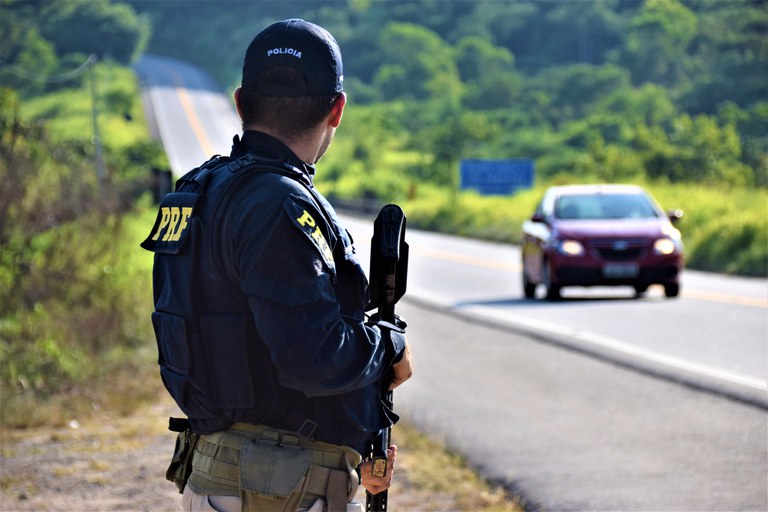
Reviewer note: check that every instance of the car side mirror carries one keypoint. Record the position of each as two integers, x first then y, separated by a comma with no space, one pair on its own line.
675,215
539,217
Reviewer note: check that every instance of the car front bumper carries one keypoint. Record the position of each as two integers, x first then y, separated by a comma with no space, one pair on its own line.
569,271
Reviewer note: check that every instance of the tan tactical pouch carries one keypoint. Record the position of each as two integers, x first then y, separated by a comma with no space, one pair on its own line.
273,470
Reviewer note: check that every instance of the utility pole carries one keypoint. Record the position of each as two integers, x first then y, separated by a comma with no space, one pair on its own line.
70,75
96,139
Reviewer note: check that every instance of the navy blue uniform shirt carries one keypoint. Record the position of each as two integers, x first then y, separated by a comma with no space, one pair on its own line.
271,301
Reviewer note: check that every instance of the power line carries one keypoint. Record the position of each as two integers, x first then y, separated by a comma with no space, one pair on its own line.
52,79
88,65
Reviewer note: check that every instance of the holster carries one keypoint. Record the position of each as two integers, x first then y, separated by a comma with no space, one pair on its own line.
181,464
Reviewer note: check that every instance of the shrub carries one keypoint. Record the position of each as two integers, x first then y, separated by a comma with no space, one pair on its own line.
72,289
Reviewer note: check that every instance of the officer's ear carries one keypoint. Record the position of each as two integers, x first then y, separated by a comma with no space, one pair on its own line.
334,119
237,94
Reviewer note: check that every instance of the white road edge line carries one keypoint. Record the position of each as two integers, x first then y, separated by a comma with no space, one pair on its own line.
597,340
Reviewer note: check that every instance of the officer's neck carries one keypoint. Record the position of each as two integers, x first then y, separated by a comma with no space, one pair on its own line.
308,148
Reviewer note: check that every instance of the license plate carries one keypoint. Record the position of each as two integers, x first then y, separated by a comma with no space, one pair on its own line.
620,270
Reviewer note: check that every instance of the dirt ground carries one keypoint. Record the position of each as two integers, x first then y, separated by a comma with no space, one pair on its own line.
100,465
113,464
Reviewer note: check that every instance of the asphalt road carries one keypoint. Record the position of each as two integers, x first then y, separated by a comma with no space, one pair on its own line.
715,334
598,402
187,110
571,432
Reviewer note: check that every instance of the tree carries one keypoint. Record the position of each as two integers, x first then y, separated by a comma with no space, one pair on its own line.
417,65
583,31
574,90
729,56
24,53
657,40
488,74
696,150
458,135
649,104
95,26
509,25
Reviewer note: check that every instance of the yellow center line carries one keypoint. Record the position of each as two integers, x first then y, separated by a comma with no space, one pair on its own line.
728,299
516,267
466,260
194,121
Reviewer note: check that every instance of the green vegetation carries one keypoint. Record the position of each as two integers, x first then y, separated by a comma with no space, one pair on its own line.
457,487
604,90
44,41
670,94
74,289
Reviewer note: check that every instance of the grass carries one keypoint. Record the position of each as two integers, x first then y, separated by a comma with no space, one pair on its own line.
436,479
67,113
428,477
112,371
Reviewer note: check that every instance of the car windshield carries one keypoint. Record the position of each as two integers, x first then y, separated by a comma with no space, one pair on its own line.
604,206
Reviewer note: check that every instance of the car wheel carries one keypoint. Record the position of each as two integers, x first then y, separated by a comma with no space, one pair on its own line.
552,290
672,290
529,288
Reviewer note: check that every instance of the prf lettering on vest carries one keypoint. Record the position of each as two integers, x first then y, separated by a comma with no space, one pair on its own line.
174,221
306,220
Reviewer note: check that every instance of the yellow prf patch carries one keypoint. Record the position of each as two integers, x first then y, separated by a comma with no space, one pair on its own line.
173,221
309,226
172,224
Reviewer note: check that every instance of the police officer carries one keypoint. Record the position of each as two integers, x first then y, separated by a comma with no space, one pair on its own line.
260,299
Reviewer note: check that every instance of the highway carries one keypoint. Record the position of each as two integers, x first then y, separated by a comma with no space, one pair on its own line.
598,402
187,111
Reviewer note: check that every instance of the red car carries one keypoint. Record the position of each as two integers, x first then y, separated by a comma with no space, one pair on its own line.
598,235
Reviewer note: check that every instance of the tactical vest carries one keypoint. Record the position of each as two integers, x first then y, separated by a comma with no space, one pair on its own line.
193,342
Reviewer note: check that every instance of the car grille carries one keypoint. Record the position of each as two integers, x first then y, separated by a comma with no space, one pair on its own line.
619,249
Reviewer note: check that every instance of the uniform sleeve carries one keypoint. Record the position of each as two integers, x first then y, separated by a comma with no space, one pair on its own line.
289,279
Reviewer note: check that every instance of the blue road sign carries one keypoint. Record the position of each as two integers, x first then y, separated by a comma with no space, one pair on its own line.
496,177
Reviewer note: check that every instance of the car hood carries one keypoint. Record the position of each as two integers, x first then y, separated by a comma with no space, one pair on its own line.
630,228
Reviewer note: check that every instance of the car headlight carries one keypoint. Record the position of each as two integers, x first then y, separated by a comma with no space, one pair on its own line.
570,248
665,246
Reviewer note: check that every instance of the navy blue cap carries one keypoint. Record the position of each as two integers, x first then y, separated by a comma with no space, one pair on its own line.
298,44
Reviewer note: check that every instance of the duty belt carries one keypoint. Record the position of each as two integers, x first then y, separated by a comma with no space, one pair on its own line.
216,465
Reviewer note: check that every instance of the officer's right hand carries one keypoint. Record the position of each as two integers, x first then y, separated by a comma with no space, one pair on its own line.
403,369
376,484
